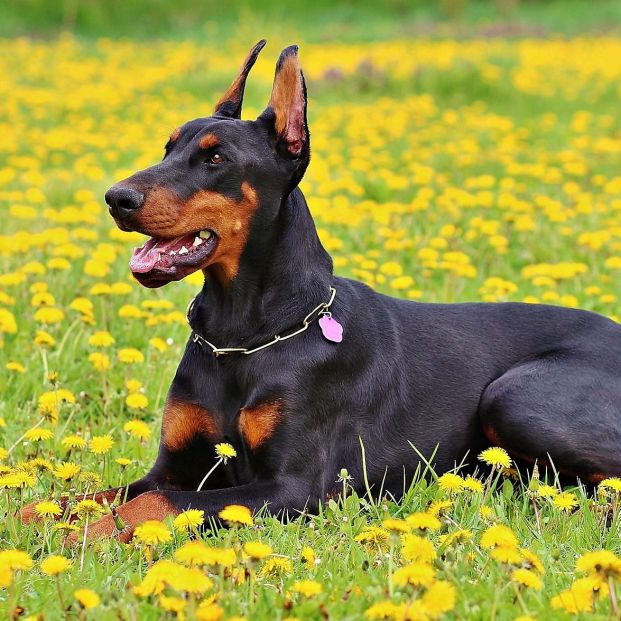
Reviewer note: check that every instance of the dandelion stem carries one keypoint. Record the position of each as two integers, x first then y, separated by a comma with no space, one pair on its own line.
83,544
200,486
613,597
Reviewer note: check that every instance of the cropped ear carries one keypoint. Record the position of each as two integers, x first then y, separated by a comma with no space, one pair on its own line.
230,104
286,109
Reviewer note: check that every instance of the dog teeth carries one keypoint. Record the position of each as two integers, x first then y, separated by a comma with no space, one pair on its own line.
159,256
205,234
183,250
172,252
197,241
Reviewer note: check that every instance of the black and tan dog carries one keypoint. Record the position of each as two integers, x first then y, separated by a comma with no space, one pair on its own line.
540,381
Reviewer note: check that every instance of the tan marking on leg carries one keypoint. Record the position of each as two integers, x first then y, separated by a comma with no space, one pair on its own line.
183,421
147,506
208,141
258,424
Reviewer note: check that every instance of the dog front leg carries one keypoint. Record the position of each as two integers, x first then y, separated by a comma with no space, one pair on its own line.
288,497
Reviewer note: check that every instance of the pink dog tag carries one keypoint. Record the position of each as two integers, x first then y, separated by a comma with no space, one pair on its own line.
331,328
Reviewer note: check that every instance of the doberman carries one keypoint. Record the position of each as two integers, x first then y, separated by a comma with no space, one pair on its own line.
359,367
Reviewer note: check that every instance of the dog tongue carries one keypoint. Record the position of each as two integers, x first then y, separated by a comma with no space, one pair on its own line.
145,258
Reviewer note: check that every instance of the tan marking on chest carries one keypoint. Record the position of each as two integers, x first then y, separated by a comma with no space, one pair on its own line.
258,424
184,421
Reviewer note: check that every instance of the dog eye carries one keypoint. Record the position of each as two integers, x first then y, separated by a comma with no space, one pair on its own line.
215,158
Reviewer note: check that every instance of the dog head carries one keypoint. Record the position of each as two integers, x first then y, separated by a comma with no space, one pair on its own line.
219,174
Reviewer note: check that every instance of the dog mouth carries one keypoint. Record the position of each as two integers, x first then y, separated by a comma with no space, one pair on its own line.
160,261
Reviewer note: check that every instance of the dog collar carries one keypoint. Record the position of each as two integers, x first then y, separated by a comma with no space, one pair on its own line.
330,327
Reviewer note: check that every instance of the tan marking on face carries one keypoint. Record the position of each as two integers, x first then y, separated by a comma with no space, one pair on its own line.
164,215
258,424
184,421
175,134
208,141
286,88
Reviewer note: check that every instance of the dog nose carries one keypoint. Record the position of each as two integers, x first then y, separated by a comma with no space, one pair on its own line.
123,201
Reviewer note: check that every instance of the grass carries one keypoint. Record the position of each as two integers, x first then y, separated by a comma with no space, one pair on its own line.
444,169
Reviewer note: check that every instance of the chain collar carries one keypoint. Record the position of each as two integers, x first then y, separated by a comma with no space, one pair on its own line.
318,311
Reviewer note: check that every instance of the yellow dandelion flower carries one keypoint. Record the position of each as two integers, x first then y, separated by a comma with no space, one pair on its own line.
209,611
152,532
101,338
133,385
565,502
385,609
54,565
236,515
87,509
473,484
439,507
439,598
527,578
136,401
257,550
38,434
173,604
506,554
137,428
130,355
307,588
190,519
87,598
15,559
417,549
496,457
47,508
66,470
225,451
276,566
547,491
602,563
532,561
99,360
157,343
308,556
499,535
373,535
396,526
16,367
458,536
123,461
450,483
423,521
612,484
73,441
100,445
415,574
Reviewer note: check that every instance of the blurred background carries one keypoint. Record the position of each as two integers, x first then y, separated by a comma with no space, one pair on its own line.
318,20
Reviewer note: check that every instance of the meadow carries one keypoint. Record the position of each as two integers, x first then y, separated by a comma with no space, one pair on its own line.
444,168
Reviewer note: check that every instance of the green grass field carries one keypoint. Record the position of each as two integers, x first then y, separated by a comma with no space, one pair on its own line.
449,164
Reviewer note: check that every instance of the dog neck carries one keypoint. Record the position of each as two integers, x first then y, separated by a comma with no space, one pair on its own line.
282,276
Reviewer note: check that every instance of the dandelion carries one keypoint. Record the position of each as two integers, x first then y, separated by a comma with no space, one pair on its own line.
236,515
547,491
38,434
423,521
373,535
66,470
136,401
276,566
414,574
257,550
137,428
565,502
87,598
129,355
307,588
417,549
224,452
101,339
100,445
87,508
47,508
496,457
439,598
499,535
72,442
527,578
308,556
187,520
209,611
450,483
54,565
173,604
152,533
